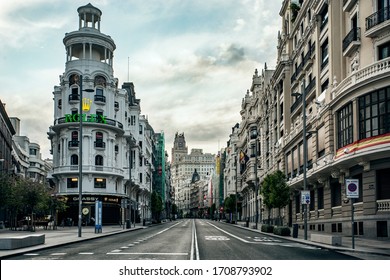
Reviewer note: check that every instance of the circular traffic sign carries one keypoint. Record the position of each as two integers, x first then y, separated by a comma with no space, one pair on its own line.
352,187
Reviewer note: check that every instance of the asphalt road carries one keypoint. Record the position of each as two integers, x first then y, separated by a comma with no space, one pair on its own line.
187,240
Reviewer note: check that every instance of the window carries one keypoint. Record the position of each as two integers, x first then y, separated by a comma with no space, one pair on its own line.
99,96
384,51
374,113
309,142
312,201
324,16
74,94
33,152
344,126
99,140
99,160
132,120
383,184
60,103
325,85
320,198
321,142
324,53
74,160
100,183
289,165
140,129
72,183
335,189
74,142
298,203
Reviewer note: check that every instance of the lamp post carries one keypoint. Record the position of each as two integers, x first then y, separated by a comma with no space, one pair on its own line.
81,154
303,96
236,165
254,150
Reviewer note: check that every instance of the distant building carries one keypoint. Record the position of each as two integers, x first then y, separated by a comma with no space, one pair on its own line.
183,167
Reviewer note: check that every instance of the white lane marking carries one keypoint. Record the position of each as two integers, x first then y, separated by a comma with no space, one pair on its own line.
194,243
31,254
273,242
58,254
116,251
133,253
86,253
232,235
219,238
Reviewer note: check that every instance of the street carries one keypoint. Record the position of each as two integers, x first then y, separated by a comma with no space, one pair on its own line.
187,240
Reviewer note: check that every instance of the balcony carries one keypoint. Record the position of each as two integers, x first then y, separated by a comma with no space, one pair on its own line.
89,120
377,69
378,22
100,99
351,42
100,144
73,144
296,104
383,205
73,98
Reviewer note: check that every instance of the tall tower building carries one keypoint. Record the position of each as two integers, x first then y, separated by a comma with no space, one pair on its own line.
106,142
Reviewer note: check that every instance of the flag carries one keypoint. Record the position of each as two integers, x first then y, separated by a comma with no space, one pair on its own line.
243,160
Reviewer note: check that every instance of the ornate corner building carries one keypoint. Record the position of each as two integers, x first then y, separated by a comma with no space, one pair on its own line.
116,140
335,55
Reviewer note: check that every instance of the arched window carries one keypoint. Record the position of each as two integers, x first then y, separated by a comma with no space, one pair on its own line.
99,160
99,143
100,81
74,160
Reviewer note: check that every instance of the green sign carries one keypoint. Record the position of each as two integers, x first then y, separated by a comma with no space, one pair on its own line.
86,118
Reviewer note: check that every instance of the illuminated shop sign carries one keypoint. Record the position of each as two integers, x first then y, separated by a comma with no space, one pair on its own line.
93,118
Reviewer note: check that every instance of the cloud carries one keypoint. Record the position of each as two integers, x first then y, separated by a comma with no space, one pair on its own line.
191,61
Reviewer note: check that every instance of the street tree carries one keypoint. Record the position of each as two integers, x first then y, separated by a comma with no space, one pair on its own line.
157,206
275,191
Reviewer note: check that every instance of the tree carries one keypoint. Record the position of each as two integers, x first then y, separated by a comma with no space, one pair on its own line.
276,193
157,206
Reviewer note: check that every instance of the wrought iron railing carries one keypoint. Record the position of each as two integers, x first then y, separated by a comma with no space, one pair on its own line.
377,18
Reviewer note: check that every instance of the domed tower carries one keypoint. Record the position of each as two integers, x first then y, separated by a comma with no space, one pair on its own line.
98,142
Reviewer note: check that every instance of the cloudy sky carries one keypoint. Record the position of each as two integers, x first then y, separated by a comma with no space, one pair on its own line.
191,60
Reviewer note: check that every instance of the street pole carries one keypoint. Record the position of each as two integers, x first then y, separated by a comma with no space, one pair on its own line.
256,186
80,157
352,223
236,165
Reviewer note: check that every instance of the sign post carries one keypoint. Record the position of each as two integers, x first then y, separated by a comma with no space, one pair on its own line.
352,189
98,216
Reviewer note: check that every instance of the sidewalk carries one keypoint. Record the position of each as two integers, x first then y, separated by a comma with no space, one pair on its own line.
365,248
61,235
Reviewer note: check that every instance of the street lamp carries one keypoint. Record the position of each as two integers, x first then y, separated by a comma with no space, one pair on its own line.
81,154
236,166
303,96
253,135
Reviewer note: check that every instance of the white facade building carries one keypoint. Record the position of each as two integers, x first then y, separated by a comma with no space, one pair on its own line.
110,128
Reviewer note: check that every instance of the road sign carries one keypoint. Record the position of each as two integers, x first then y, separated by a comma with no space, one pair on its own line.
305,197
352,188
